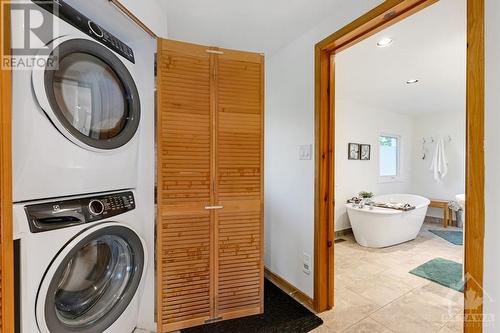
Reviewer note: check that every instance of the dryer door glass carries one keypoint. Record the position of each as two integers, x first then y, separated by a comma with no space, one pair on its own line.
95,282
92,96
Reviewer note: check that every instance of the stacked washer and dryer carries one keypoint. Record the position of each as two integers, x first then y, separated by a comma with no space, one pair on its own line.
75,148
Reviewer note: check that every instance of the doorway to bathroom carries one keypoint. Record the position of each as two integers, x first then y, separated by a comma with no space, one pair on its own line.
329,85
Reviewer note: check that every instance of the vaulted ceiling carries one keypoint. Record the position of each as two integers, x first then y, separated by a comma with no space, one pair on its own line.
429,46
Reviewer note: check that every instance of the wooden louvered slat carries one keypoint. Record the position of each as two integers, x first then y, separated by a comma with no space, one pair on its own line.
239,184
184,261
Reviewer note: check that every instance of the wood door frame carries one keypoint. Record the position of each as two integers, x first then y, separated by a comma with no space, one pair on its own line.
6,242
381,17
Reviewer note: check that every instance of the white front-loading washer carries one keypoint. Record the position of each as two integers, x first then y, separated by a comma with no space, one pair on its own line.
82,263
75,119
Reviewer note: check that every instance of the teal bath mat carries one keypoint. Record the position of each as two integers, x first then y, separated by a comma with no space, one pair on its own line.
454,237
445,272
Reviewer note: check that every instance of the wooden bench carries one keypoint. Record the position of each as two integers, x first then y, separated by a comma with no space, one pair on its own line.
443,204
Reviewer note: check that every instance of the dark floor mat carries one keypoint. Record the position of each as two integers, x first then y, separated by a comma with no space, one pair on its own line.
281,314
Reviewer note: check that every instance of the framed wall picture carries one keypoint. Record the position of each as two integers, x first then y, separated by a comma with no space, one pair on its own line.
353,151
365,151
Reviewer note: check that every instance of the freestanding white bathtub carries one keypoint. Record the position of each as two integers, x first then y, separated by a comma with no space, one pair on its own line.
381,227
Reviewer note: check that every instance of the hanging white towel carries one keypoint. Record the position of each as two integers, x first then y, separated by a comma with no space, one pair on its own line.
439,165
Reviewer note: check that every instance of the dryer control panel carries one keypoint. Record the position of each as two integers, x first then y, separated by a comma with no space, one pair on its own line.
66,213
67,13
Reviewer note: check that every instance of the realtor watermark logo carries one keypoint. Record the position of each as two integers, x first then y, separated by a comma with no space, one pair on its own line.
473,301
33,30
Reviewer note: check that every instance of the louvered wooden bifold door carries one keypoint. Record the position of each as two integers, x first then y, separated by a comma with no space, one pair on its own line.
210,185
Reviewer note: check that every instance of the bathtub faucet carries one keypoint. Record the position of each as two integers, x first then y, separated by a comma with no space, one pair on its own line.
361,204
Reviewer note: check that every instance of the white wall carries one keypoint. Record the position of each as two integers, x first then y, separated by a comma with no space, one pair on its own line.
289,182
492,232
362,124
439,125
151,12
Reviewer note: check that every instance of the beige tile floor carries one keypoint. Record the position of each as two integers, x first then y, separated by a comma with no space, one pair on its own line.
374,293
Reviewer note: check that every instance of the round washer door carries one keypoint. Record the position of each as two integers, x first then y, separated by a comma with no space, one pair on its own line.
88,93
92,280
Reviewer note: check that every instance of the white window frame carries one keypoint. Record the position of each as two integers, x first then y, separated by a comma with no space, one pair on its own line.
397,177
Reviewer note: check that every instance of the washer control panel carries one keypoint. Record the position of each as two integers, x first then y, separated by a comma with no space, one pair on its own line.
66,213
67,13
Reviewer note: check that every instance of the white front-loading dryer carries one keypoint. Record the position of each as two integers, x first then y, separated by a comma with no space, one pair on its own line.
82,263
76,119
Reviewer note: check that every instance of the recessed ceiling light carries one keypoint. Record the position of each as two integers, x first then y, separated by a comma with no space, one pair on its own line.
384,42
412,81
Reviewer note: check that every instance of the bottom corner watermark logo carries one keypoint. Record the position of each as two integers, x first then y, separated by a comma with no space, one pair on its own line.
472,313
33,29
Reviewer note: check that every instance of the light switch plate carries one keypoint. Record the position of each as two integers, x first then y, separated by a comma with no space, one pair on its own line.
305,152
306,264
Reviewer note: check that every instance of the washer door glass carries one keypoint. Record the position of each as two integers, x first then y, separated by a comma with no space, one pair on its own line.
95,282
92,95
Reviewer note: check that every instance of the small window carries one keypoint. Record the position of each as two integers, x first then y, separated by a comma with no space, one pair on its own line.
389,151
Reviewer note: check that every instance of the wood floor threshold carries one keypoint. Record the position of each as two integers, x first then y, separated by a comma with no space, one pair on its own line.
290,289
344,232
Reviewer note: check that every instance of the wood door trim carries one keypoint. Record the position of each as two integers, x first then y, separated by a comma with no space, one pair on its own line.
323,149
6,242
386,14
133,17
474,188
